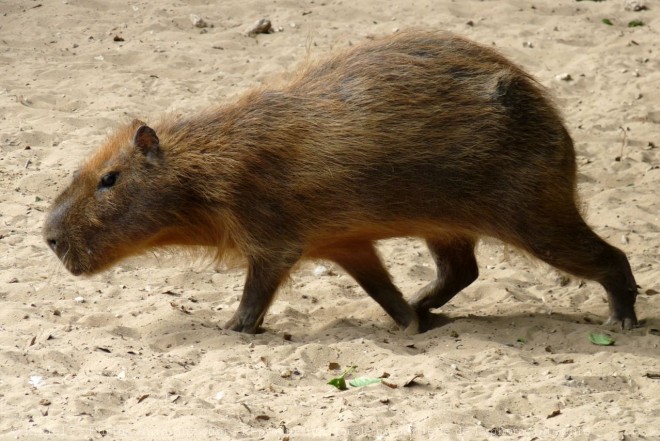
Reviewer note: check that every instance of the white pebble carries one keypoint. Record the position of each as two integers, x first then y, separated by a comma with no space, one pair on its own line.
320,270
37,381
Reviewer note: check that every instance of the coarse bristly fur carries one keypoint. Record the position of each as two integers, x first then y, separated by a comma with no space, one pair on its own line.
419,134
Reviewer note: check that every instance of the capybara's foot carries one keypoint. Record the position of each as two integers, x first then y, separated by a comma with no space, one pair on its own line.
627,322
236,324
429,320
413,328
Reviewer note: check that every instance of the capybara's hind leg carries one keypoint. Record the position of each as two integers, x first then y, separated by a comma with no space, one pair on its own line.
456,268
361,261
567,243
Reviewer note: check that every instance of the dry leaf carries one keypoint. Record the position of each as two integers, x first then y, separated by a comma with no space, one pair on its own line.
412,382
554,413
390,385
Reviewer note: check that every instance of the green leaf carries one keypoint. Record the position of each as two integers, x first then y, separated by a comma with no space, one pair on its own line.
608,22
339,383
363,381
598,338
521,340
635,23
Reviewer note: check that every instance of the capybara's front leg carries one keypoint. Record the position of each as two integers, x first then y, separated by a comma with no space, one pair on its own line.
263,279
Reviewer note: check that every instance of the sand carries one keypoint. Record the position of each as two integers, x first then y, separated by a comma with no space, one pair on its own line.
137,353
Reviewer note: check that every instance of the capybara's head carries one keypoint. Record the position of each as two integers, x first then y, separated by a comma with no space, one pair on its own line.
114,207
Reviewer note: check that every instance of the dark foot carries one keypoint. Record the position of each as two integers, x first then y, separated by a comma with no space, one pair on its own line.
429,320
235,324
627,323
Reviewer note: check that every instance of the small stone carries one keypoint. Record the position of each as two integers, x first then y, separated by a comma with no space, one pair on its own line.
79,299
563,279
564,77
262,26
528,44
634,5
197,21
320,270
286,373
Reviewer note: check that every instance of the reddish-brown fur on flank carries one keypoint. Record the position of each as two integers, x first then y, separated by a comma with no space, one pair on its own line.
419,134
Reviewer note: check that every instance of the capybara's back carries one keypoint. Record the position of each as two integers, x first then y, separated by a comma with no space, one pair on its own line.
419,134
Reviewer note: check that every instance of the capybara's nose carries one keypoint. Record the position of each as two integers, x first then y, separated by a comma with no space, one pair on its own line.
52,243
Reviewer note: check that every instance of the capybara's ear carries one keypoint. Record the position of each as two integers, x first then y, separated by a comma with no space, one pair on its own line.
147,142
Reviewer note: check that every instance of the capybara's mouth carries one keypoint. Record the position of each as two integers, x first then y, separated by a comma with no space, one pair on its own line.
66,257
76,271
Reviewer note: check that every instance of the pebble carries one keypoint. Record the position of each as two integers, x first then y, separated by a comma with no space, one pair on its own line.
261,26
197,21
320,270
564,77
528,44
634,5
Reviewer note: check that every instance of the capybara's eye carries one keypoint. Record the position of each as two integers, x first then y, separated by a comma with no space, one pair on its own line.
108,180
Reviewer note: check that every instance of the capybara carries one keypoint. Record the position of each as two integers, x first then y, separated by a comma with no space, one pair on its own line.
419,134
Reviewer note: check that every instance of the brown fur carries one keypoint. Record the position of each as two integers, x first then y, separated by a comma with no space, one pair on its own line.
419,134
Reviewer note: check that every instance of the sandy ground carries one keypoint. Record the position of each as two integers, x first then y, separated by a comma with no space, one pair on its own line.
142,356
